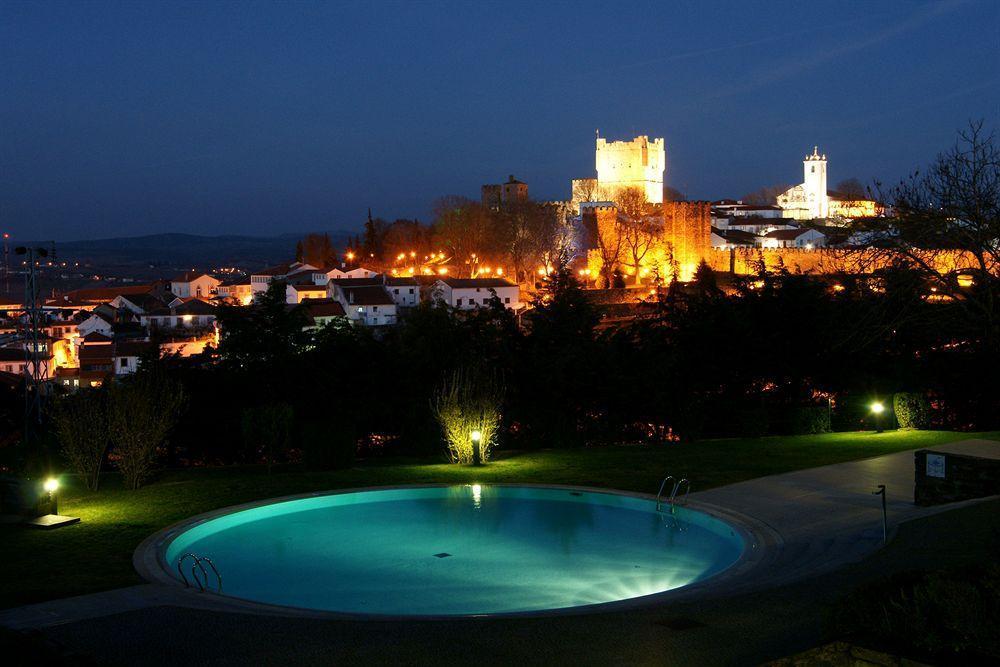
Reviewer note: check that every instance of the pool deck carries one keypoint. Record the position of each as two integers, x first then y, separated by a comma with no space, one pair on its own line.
822,520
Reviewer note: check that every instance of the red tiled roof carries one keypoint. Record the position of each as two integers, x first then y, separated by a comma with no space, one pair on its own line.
323,308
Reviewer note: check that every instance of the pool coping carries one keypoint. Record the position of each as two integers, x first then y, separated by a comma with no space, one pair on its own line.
762,544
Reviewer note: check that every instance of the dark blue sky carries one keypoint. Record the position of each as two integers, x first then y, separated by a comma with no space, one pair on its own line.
210,117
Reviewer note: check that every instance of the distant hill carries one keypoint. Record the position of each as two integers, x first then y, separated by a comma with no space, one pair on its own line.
187,249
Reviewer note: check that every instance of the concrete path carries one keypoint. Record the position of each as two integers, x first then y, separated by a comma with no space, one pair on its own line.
824,518
828,517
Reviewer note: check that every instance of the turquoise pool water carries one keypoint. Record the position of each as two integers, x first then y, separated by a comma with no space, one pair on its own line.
458,550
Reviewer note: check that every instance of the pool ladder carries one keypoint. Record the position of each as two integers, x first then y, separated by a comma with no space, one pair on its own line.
672,499
197,563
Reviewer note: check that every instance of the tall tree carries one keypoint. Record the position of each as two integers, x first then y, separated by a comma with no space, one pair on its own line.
638,226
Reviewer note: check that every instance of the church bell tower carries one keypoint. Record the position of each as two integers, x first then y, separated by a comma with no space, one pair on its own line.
814,184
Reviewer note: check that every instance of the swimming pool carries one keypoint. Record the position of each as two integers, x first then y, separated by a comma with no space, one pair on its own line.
455,550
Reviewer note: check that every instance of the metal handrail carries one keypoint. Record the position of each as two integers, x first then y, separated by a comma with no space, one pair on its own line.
218,577
196,564
180,570
686,483
659,494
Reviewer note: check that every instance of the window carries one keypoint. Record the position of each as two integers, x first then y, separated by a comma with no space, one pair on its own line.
411,290
374,309
458,302
506,299
395,291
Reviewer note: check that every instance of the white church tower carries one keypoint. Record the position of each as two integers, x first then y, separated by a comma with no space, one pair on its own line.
814,184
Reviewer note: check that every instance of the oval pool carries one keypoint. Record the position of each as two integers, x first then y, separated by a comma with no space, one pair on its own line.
456,550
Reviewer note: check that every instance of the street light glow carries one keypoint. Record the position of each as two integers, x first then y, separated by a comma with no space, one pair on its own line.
51,485
877,407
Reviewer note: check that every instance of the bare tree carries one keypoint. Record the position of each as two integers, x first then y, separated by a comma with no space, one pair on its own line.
81,425
141,412
945,226
638,227
852,189
766,195
467,231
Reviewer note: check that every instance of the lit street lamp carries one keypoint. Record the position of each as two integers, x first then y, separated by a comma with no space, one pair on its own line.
53,519
51,486
477,457
877,409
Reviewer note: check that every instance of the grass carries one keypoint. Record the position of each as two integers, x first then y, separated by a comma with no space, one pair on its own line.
96,554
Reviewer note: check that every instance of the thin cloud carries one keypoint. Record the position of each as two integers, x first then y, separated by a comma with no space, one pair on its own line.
801,65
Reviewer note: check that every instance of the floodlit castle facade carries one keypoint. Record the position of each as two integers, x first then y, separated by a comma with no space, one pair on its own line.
639,163
811,200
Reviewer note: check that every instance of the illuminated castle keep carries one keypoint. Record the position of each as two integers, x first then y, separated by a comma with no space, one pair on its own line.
639,163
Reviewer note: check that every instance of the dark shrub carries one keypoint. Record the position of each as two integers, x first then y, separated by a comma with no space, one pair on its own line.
752,422
912,410
804,420
327,446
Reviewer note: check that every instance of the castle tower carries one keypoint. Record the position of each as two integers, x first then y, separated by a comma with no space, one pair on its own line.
638,163
687,227
814,184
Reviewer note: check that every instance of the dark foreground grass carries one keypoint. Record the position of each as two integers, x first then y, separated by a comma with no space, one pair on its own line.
97,553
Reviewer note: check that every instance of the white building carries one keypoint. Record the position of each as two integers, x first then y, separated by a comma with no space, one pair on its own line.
370,305
96,323
728,208
261,280
345,273
469,293
794,238
811,200
238,290
405,291
298,293
191,314
194,284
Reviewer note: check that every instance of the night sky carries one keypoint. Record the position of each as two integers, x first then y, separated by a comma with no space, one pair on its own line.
122,119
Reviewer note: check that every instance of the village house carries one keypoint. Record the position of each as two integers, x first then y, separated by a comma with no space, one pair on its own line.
261,280
190,314
194,284
405,291
469,293
807,238
297,293
237,291
321,312
370,305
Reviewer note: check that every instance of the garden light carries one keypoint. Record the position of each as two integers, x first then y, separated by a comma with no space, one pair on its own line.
477,458
53,519
877,408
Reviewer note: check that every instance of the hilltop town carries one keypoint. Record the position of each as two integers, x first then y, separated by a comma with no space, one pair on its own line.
618,234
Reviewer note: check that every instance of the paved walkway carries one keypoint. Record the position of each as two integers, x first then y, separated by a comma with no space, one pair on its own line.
825,518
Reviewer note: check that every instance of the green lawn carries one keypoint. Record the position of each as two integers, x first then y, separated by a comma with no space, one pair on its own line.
97,553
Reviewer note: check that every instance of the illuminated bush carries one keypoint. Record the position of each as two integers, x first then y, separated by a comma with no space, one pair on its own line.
469,400
912,410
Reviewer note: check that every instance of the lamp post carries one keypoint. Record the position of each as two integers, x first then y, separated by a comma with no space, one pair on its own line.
877,409
51,486
477,457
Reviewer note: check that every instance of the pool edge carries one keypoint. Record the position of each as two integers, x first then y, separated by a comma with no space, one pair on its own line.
761,542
